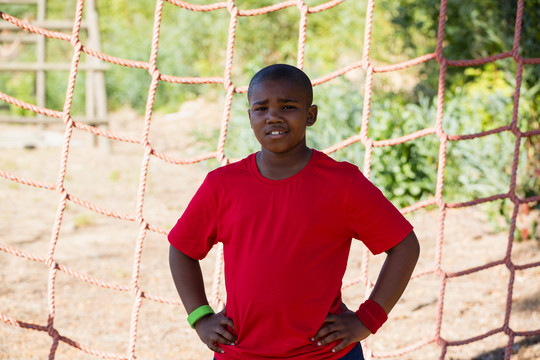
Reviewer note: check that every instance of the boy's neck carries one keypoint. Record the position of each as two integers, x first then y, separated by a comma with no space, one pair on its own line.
276,166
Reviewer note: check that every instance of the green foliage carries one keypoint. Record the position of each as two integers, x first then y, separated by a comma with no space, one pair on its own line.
126,32
472,30
406,172
21,86
21,11
475,30
332,36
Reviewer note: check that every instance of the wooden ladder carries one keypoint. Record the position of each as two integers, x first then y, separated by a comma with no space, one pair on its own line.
95,92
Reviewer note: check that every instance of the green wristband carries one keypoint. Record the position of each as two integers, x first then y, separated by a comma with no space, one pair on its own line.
198,313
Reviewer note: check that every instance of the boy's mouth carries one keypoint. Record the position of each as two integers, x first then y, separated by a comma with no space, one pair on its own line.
276,132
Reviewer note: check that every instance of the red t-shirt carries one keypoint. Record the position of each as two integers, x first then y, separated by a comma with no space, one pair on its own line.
286,245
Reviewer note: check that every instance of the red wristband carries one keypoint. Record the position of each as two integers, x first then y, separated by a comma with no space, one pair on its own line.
372,315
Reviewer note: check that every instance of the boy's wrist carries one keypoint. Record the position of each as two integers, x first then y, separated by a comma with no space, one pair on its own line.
372,315
199,313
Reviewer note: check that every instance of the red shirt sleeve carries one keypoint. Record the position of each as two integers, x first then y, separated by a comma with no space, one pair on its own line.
372,218
195,232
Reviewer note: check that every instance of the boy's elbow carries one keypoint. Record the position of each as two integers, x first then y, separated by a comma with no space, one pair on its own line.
412,245
409,246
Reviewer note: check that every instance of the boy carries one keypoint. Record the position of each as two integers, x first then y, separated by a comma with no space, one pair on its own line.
286,216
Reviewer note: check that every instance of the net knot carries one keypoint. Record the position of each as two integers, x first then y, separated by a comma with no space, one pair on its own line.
510,266
302,6
367,141
233,9
141,221
515,129
136,291
439,201
516,55
440,272
440,58
148,149
52,331
61,190
441,134
441,341
154,73
76,43
223,160
68,120
366,64
507,330
228,84
51,263
513,197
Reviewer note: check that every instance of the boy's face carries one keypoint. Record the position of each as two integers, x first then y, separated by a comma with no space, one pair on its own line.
279,112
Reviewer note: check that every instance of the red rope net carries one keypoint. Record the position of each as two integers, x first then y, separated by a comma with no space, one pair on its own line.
230,88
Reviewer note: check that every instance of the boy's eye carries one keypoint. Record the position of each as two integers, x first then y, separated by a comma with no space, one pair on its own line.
288,107
262,108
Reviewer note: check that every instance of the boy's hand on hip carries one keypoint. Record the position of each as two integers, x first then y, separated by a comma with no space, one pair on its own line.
213,331
346,327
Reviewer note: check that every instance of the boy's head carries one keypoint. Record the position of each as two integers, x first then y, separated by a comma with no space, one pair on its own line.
280,108
283,72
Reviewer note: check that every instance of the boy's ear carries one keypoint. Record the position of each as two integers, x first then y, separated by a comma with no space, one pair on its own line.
249,116
311,115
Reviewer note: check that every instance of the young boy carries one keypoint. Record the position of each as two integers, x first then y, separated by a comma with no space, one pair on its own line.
286,216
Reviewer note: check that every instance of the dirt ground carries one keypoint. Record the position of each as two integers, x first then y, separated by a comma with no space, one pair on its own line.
104,247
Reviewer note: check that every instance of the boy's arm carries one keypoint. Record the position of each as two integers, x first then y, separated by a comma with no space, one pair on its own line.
396,272
188,279
392,281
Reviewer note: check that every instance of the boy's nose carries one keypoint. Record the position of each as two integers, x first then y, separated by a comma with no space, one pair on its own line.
273,116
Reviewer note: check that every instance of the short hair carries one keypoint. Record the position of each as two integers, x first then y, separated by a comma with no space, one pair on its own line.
283,72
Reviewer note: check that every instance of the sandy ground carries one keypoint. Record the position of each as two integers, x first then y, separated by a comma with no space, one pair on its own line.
104,247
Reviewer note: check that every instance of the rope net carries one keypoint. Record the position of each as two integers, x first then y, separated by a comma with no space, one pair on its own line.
139,295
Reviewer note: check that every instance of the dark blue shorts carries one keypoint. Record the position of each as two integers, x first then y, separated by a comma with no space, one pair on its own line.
355,354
